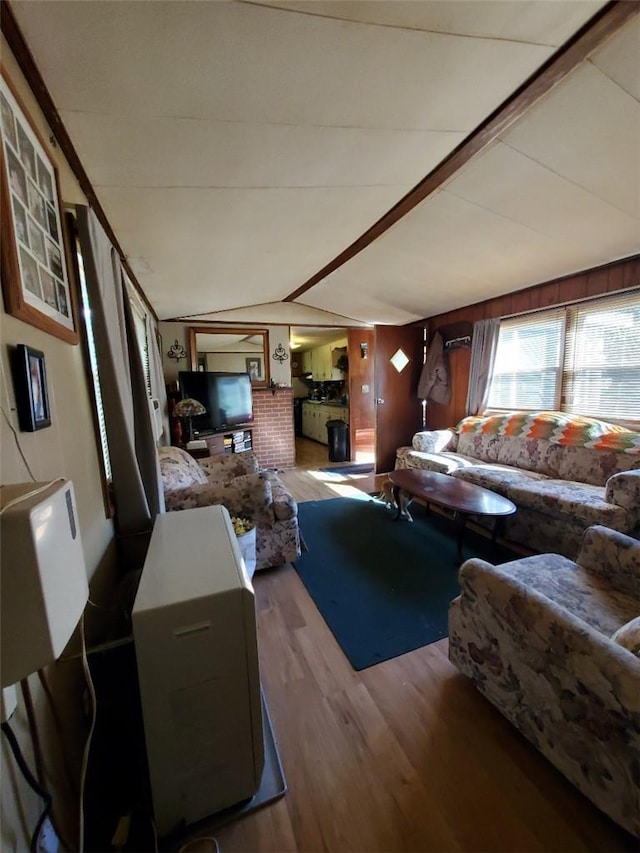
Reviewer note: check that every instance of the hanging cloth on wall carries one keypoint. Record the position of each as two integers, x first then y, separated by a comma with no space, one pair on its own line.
434,381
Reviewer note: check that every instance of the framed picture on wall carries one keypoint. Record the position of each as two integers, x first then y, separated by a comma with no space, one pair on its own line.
30,385
254,368
35,269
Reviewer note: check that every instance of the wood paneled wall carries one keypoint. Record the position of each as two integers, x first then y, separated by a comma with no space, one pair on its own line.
584,285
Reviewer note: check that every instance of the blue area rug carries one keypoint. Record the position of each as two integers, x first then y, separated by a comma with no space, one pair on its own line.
382,586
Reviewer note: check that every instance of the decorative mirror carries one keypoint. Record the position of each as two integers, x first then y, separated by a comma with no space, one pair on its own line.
230,350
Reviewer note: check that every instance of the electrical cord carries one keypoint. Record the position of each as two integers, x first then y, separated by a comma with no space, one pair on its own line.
87,746
7,731
33,730
17,441
31,494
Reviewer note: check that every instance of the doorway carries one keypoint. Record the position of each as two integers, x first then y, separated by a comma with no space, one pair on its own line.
320,385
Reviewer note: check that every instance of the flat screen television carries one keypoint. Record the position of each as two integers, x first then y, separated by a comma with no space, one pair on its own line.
225,396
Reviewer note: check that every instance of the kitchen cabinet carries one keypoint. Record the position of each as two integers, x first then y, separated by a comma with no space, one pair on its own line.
315,417
319,362
322,368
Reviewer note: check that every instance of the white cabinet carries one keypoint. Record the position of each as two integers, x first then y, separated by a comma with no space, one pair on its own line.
307,419
315,417
319,362
197,655
337,413
307,362
324,362
311,420
317,367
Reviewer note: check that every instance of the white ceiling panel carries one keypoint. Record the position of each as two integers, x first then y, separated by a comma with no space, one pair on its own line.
236,62
538,22
218,249
619,58
588,131
280,312
446,252
515,187
223,154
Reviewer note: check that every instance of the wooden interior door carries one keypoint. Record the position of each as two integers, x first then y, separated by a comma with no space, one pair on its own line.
398,411
362,422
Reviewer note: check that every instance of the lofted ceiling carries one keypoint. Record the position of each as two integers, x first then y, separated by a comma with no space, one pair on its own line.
237,148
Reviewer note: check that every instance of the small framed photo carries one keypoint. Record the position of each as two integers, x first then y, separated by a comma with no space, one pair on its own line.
35,264
254,368
30,385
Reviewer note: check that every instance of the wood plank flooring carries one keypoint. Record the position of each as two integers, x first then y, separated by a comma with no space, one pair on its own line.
403,756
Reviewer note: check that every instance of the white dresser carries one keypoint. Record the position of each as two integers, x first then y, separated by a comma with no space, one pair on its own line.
195,637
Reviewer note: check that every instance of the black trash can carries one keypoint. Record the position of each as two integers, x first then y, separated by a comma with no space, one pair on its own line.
338,435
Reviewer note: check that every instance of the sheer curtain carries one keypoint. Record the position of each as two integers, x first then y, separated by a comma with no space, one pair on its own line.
134,462
483,354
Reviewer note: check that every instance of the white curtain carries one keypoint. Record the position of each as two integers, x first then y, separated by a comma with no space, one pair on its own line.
483,354
135,470
156,377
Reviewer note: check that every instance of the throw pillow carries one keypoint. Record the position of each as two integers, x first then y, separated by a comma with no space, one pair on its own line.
628,636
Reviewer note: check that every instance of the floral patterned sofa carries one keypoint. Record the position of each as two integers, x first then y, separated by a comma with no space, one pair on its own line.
563,472
237,482
554,646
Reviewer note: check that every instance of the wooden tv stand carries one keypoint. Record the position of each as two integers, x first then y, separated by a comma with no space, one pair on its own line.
234,440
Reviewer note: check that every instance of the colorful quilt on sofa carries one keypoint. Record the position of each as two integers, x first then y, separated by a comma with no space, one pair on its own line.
556,427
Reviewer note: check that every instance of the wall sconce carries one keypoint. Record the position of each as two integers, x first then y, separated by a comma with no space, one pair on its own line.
280,354
364,350
177,351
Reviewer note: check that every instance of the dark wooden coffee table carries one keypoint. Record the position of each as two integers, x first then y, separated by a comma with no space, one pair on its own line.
463,498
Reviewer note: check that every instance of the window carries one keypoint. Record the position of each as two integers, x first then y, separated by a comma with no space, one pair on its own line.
527,369
602,361
93,362
140,323
583,359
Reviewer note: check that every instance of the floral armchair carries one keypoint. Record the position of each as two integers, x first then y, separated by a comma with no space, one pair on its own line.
237,482
554,646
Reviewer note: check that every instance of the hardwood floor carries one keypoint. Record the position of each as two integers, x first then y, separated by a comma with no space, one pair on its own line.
310,454
403,756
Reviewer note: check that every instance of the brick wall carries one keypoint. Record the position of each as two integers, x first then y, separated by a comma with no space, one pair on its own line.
273,435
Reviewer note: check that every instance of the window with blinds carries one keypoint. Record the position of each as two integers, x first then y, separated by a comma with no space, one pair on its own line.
583,359
140,323
528,363
601,375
